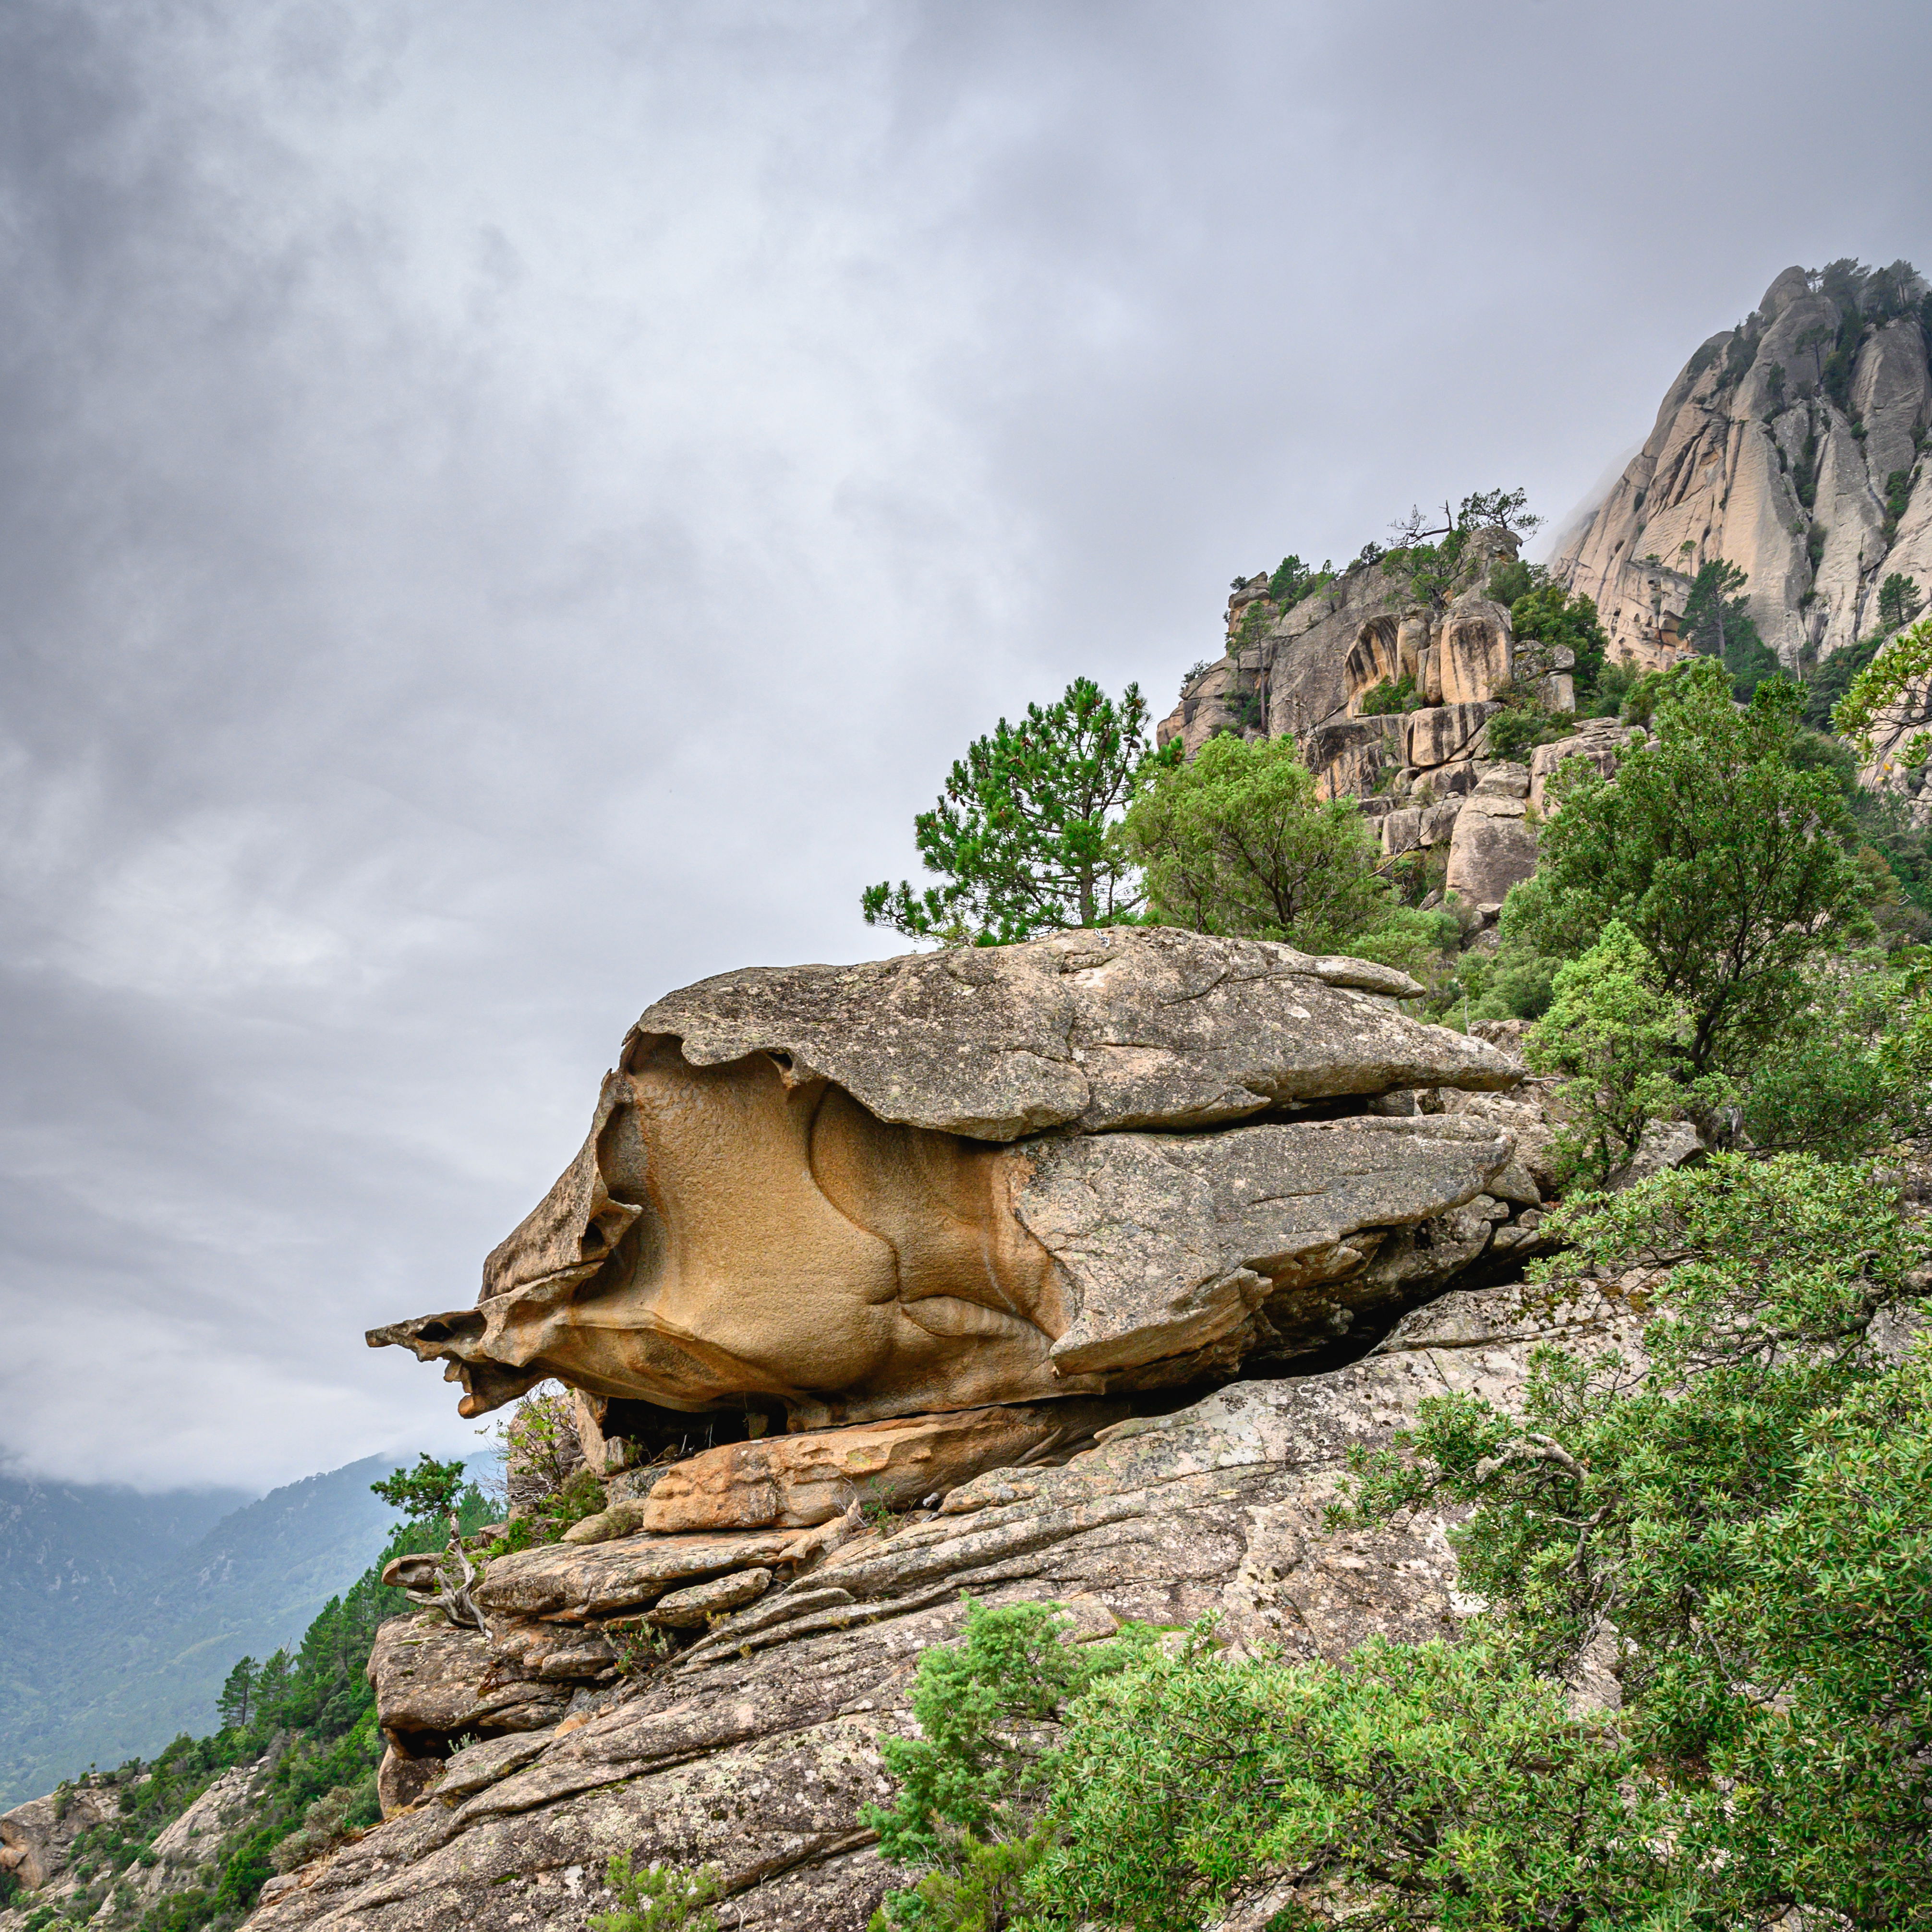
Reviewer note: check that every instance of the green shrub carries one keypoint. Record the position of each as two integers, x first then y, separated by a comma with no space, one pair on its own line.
657,1898
1747,1521
974,1780
1386,698
1852,1075
1238,841
1619,1044
1513,732
334,1817
1730,867
1438,1787
1549,614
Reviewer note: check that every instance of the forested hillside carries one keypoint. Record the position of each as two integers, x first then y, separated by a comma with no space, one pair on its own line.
120,1615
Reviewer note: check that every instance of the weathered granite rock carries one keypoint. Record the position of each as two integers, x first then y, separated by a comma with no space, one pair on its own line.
35,1837
1445,733
1523,1115
433,1680
755,1749
1719,477
1492,848
401,1779
1474,654
610,1579
1100,1031
800,1479
800,1184
691,1609
547,1651
1663,1145
1180,1246
478,1766
192,1839
1597,741
42,1844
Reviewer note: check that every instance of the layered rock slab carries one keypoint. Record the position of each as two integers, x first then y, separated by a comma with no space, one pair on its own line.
1133,1026
756,1751
1172,1244
799,1481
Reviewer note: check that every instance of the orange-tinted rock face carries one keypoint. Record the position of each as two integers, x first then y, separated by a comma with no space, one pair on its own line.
736,1230
807,1479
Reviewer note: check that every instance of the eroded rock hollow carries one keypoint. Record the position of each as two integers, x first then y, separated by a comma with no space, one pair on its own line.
1096,1162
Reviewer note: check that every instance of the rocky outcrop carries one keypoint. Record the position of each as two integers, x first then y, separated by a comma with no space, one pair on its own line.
753,1748
926,1183
1492,847
35,1837
1599,742
43,1843
1308,672
1790,447
1082,1171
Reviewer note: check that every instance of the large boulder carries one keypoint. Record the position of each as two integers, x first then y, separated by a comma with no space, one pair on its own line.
1493,846
850,1192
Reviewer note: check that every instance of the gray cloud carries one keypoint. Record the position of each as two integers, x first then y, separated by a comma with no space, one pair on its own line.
505,510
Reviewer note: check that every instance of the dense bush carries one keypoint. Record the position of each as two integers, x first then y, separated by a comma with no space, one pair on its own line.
1513,732
1548,613
1239,842
1731,867
1389,697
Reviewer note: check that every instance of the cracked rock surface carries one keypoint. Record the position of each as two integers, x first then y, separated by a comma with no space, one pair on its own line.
753,1749
1098,1030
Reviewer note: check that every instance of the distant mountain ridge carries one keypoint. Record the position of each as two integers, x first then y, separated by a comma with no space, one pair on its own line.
121,1614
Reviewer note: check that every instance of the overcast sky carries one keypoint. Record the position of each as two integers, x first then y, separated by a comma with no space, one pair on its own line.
507,508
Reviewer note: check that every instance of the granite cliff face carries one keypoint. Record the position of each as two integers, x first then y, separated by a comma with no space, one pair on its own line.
1789,446
1424,777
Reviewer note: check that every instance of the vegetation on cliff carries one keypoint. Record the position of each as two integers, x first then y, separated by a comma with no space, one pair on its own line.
1700,1695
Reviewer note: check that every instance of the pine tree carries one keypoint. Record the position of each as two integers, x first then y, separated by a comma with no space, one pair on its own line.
1024,835
237,1700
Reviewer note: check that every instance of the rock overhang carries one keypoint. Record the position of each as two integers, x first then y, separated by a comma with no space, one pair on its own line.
886,1189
